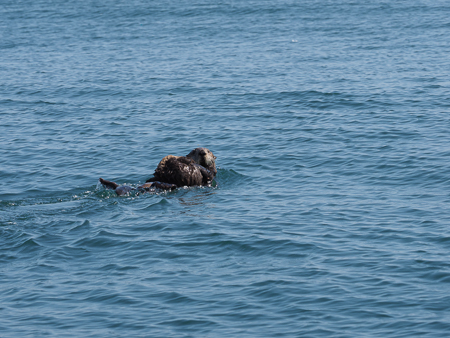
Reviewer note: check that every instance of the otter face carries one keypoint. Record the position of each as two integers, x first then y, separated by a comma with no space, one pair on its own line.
205,158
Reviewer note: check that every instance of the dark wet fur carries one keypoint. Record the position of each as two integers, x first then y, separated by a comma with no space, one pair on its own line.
198,168
195,169
182,171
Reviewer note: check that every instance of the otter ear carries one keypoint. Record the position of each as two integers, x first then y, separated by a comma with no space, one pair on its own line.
215,157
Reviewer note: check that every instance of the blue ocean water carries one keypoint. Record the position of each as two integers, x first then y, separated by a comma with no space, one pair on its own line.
330,122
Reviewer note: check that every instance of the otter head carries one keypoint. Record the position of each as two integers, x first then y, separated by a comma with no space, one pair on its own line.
205,158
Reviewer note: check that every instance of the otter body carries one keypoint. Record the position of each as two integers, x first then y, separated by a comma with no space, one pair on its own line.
198,168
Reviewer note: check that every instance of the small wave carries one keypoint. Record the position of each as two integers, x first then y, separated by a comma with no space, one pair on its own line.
229,177
160,204
29,246
101,240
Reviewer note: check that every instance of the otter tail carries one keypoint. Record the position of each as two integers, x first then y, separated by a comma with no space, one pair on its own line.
108,184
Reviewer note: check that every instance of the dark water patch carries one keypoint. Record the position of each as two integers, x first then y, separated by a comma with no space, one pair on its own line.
44,270
115,267
107,297
26,247
66,254
227,178
100,241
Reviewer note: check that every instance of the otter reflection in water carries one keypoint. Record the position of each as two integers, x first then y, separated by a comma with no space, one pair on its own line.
198,168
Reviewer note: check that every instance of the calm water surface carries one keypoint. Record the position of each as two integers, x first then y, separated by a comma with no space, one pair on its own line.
330,121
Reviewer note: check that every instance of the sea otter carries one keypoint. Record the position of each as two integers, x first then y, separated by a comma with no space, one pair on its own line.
198,168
